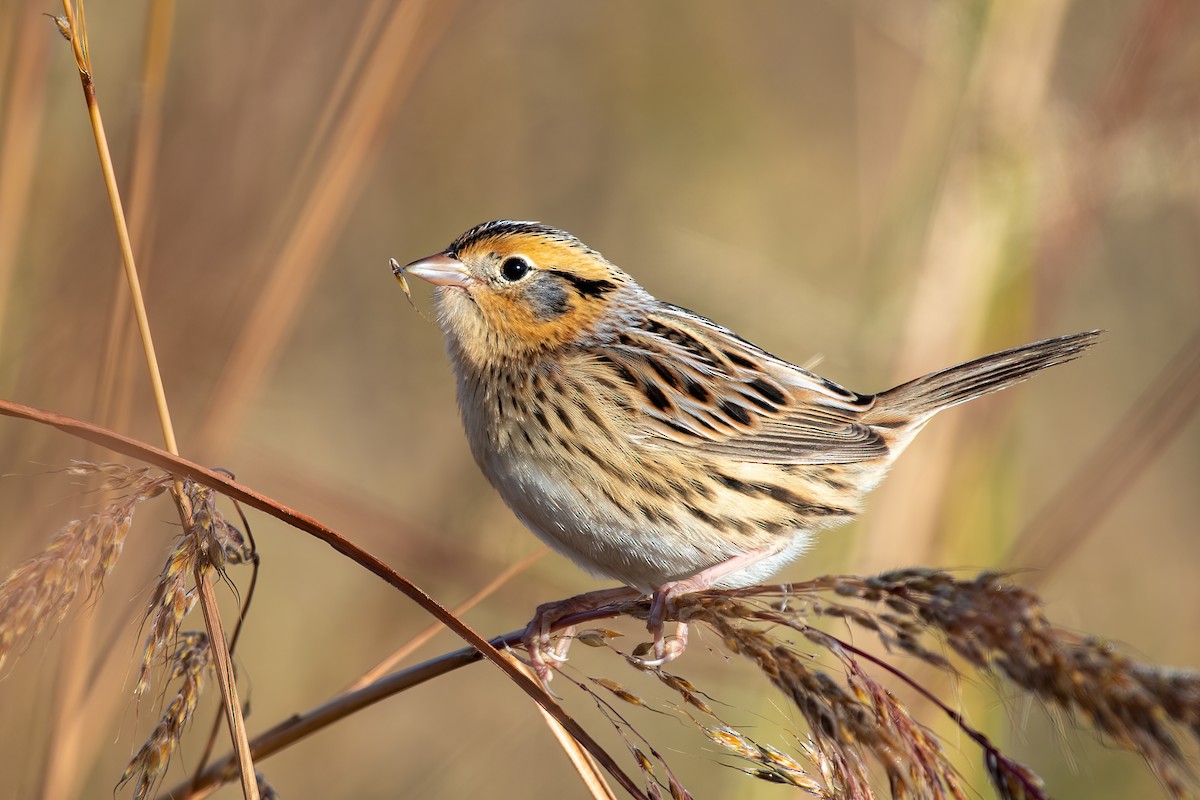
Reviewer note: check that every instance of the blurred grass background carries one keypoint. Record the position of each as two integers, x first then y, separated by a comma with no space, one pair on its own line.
893,187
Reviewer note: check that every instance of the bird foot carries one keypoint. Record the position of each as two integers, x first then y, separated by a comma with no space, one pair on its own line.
546,655
665,648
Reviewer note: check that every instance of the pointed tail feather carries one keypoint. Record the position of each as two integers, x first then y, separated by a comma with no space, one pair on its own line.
925,396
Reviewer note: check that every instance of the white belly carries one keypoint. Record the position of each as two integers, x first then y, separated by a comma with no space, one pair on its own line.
606,540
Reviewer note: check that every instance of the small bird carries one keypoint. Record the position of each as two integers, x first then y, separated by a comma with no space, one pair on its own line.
651,445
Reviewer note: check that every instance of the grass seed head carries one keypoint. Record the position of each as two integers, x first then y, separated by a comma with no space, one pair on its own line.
39,592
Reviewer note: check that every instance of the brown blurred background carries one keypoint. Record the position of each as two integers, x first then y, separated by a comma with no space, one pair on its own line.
890,186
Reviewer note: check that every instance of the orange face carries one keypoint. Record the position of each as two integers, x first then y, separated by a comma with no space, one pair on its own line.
508,290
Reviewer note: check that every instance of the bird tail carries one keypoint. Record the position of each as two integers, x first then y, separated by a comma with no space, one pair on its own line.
925,396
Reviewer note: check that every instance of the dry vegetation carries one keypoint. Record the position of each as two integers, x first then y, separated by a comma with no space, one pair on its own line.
967,174
854,725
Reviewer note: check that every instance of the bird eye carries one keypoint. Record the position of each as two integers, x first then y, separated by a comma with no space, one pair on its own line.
513,269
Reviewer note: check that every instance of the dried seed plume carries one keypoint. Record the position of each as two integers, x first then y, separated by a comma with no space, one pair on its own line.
38,593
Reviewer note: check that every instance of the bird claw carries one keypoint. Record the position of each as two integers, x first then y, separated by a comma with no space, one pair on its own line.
558,652
545,656
666,648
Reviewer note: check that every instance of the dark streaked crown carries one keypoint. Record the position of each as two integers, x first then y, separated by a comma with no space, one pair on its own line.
498,228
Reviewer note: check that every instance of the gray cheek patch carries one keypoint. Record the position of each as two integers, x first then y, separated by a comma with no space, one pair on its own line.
547,297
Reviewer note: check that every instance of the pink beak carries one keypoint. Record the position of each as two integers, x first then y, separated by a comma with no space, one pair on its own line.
439,269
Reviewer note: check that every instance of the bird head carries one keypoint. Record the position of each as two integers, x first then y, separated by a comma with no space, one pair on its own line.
510,290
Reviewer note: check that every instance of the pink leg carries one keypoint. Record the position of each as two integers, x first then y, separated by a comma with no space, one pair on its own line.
665,649
537,633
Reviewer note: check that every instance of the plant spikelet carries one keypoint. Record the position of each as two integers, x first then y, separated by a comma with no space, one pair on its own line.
188,663
39,592
857,728
209,542
169,603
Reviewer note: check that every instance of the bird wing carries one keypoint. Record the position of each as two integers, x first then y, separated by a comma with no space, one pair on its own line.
698,384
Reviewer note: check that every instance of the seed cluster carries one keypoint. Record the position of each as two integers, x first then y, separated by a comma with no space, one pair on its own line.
857,727
38,593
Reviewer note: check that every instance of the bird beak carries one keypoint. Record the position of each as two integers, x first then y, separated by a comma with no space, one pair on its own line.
439,269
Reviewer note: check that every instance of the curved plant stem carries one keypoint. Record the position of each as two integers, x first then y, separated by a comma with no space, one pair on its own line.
300,726
383,667
181,467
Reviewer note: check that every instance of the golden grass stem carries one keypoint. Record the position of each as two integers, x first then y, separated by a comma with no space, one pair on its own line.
182,467
77,26
223,663
113,395
111,407
83,61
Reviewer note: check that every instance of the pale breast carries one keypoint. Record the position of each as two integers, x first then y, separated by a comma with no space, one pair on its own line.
557,441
